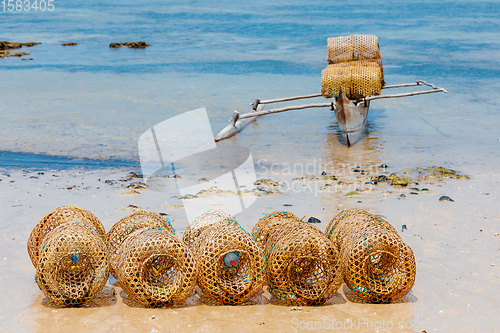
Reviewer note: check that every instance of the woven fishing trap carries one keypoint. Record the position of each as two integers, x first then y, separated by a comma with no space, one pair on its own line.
354,47
55,218
269,224
303,266
377,264
231,264
73,264
200,223
155,268
123,228
356,78
340,227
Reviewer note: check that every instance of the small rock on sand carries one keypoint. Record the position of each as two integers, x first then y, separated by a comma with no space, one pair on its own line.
446,198
312,219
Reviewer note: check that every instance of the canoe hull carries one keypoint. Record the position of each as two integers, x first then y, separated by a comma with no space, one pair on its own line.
351,118
240,124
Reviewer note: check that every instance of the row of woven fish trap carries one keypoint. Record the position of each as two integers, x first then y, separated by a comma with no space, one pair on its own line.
300,265
354,66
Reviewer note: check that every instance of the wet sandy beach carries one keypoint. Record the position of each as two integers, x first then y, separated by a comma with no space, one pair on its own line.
455,245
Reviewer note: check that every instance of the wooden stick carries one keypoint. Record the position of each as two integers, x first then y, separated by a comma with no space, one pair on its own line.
235,117
402,85
371,98
288,108
285,99
431,85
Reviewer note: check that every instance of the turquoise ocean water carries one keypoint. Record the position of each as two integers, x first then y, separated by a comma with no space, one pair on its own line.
87,105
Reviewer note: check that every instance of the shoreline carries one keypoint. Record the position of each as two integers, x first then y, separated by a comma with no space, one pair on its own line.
11,160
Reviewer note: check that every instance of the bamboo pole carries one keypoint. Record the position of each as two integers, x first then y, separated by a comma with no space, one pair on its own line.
402,85
371,98
288,108
285,99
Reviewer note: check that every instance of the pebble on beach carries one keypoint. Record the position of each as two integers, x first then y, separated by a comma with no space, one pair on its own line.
312,219
446,198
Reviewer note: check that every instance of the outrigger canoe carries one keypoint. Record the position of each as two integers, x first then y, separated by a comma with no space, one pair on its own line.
351,114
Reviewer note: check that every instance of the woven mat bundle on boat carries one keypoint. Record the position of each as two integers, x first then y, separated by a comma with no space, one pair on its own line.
73,264
354,47
155,268
303,266
123,228
270,223
356,78
231,264
200,223
55,218
377,264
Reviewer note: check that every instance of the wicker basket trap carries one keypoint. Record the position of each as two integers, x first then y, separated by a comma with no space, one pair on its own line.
303,266
354,47
73,264
231,264
270,223
155,268
356,78
377,264
123,228
340,227
55,218
200,223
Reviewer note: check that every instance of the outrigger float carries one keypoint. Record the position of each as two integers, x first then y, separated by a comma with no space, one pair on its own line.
352,84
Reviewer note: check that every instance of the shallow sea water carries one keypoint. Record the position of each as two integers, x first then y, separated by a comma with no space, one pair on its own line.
91,101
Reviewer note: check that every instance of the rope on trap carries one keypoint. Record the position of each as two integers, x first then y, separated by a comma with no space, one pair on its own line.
72,264
155,268
377,264
303,266
130,223
55,218
231,264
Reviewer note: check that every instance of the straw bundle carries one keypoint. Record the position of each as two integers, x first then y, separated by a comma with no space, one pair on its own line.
55,218
303,267
73,264
356,79
231,263
354,47
377,264
123,228
155,268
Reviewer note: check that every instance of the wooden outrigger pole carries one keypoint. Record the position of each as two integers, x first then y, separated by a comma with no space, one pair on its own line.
351,114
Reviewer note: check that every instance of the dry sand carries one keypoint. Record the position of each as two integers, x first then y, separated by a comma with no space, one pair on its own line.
456,245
